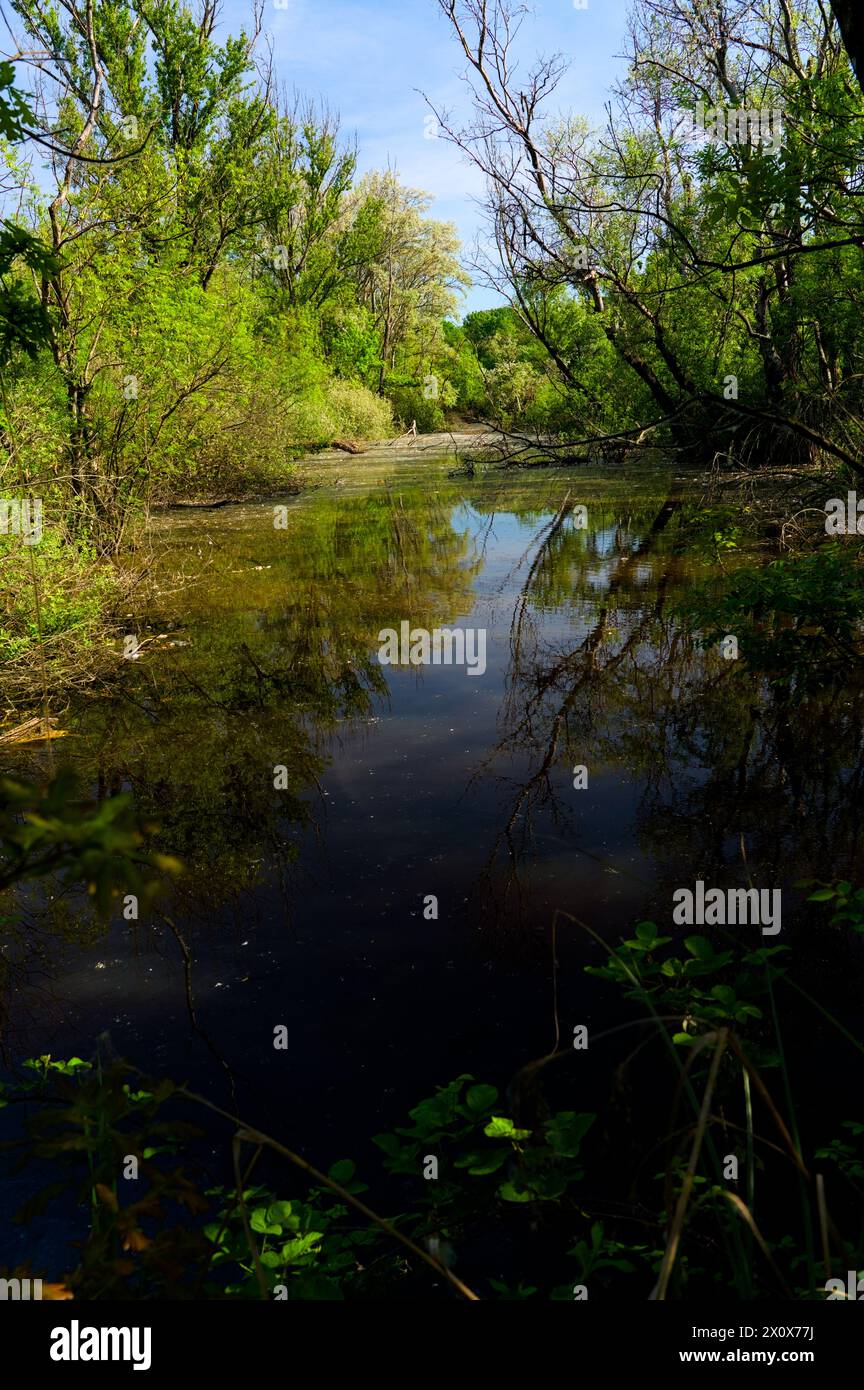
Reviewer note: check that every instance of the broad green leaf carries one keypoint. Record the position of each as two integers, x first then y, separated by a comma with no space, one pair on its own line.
480,1098
500,1127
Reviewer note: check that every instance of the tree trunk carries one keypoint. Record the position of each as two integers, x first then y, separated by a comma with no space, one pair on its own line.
850,18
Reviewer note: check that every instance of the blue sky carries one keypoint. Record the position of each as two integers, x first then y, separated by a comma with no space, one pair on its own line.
366,57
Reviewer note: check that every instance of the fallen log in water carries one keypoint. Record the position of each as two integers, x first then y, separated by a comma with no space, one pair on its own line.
37,730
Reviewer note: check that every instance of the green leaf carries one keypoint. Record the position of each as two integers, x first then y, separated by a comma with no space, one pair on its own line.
479,1165
550,1186
283,1212
500,1127
480,1098
389,1143
513,1194
302,1245
566,1130
259,1222
699,946
763,954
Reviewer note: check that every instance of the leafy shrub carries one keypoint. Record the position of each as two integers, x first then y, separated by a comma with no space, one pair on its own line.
409,403
75,592
353,410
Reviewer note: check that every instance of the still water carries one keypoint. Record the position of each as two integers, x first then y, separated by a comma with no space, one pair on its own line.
318,800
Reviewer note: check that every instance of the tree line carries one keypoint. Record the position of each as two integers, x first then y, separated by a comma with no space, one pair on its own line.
207,283
690,281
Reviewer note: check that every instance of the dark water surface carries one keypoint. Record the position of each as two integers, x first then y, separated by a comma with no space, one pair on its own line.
304,907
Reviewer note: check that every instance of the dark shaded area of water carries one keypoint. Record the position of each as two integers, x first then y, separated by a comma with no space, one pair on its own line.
306,903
